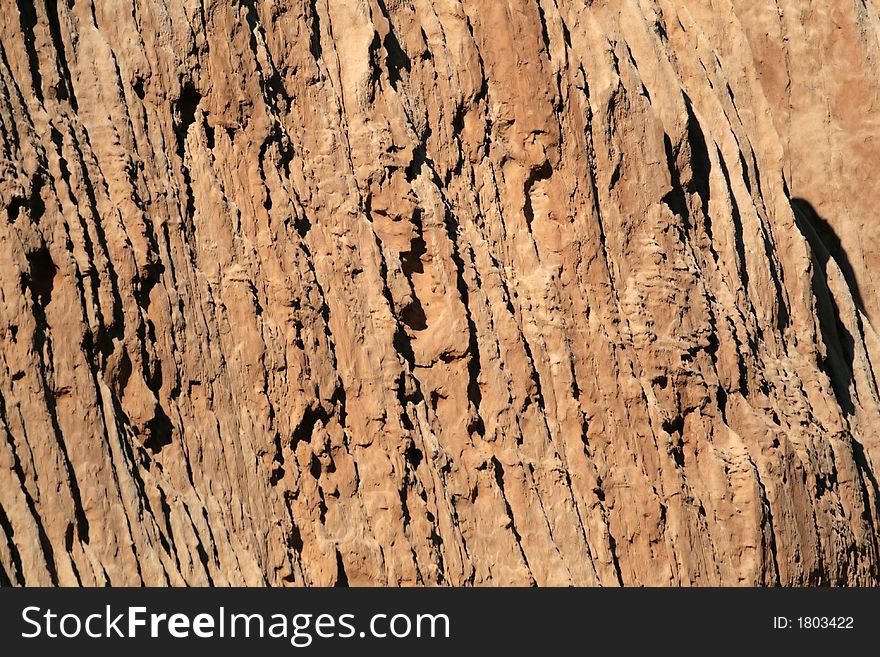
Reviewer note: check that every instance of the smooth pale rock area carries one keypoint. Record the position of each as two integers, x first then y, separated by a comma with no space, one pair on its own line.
454,292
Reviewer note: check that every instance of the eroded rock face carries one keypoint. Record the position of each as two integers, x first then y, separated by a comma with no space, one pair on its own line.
439,291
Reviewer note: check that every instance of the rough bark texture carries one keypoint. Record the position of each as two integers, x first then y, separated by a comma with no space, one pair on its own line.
439,291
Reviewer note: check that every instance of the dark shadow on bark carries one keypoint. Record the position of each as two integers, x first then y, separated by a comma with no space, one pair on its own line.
839,342
159,431
806,214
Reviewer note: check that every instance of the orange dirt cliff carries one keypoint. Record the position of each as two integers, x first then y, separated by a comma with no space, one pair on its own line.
453,292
